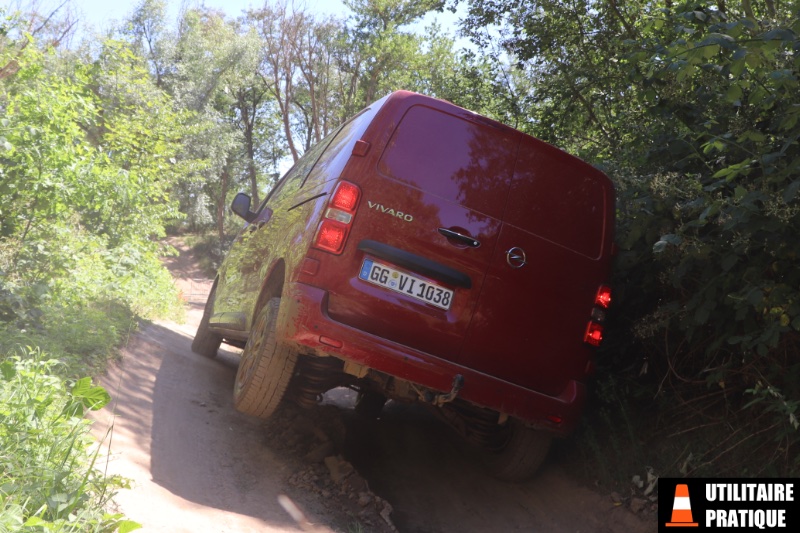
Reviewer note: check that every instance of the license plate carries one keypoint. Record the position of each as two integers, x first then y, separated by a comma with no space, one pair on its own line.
417,288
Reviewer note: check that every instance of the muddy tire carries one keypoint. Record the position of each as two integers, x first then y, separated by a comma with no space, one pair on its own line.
369,404
517,452
206,343
265,368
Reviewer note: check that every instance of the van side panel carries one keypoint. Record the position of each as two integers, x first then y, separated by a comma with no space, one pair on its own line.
284,226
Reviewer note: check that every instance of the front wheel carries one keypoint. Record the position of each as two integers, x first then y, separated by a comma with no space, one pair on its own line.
265,368
516,452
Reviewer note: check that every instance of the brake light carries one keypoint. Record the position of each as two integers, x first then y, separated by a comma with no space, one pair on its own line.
331,237
335,226
594,329
603,298
345,197
594,334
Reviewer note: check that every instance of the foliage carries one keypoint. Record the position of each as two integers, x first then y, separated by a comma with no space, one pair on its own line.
48,475
693,109
87,164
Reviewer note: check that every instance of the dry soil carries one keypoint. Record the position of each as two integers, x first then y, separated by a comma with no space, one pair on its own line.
197,465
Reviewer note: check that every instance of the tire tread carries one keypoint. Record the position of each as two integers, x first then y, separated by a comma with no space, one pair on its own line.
264,391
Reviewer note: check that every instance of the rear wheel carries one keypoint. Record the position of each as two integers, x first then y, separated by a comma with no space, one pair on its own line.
516,452
266,367
206,343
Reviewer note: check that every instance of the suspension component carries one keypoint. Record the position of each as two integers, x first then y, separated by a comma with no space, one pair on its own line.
314,377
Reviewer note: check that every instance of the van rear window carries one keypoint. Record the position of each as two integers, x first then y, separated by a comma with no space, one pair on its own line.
456,159
558,198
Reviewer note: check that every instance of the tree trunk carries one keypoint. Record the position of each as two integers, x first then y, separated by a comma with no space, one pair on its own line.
224,181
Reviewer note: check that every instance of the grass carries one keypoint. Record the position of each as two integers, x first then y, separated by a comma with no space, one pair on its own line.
48,479
50,340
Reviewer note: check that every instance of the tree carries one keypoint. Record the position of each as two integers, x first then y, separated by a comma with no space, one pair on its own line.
148,32
88,162
279,30
389,58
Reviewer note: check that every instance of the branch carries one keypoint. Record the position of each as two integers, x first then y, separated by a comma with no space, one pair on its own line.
628,28
47,20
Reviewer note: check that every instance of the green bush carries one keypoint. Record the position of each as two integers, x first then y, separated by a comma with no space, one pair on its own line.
693,108
48,475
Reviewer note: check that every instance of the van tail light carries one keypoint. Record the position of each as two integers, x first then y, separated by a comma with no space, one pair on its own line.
594,334
335,226
594,329
603,298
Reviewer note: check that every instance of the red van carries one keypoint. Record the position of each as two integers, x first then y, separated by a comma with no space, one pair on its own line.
424,253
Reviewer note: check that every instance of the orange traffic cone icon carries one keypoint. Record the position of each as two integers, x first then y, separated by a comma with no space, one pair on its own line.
682,509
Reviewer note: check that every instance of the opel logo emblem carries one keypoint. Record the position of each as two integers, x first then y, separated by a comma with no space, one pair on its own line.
516,258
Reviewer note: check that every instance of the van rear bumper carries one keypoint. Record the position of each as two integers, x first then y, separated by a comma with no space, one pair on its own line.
304,322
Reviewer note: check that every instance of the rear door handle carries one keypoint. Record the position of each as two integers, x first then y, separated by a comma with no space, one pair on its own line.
460,238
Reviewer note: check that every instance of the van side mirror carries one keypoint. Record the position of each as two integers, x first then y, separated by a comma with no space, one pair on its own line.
241,206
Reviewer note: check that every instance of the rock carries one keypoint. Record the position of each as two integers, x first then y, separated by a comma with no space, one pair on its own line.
638,504
338,467
386,515
364,499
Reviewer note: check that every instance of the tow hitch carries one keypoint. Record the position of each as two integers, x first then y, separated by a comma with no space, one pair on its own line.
441,399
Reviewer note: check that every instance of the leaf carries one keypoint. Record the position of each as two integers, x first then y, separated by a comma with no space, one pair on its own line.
702,314
729,262
753,60
719,39
734,94
752,135
779,34
755,297
91,397
8,370
665,240
126,526
710,51
737,67
723,173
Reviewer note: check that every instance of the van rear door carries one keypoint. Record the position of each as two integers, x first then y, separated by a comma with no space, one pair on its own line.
552,255
433,190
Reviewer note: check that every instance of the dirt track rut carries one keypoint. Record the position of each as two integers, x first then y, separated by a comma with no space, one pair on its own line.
196,465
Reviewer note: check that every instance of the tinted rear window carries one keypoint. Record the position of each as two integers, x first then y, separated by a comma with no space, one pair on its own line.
456,159
559,198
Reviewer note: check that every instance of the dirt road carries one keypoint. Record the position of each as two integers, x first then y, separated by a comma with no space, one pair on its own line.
196,465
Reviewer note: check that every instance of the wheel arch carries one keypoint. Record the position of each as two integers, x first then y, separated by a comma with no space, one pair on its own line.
272,287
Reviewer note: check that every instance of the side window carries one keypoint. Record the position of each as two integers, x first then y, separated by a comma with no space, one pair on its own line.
290,184
333,160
